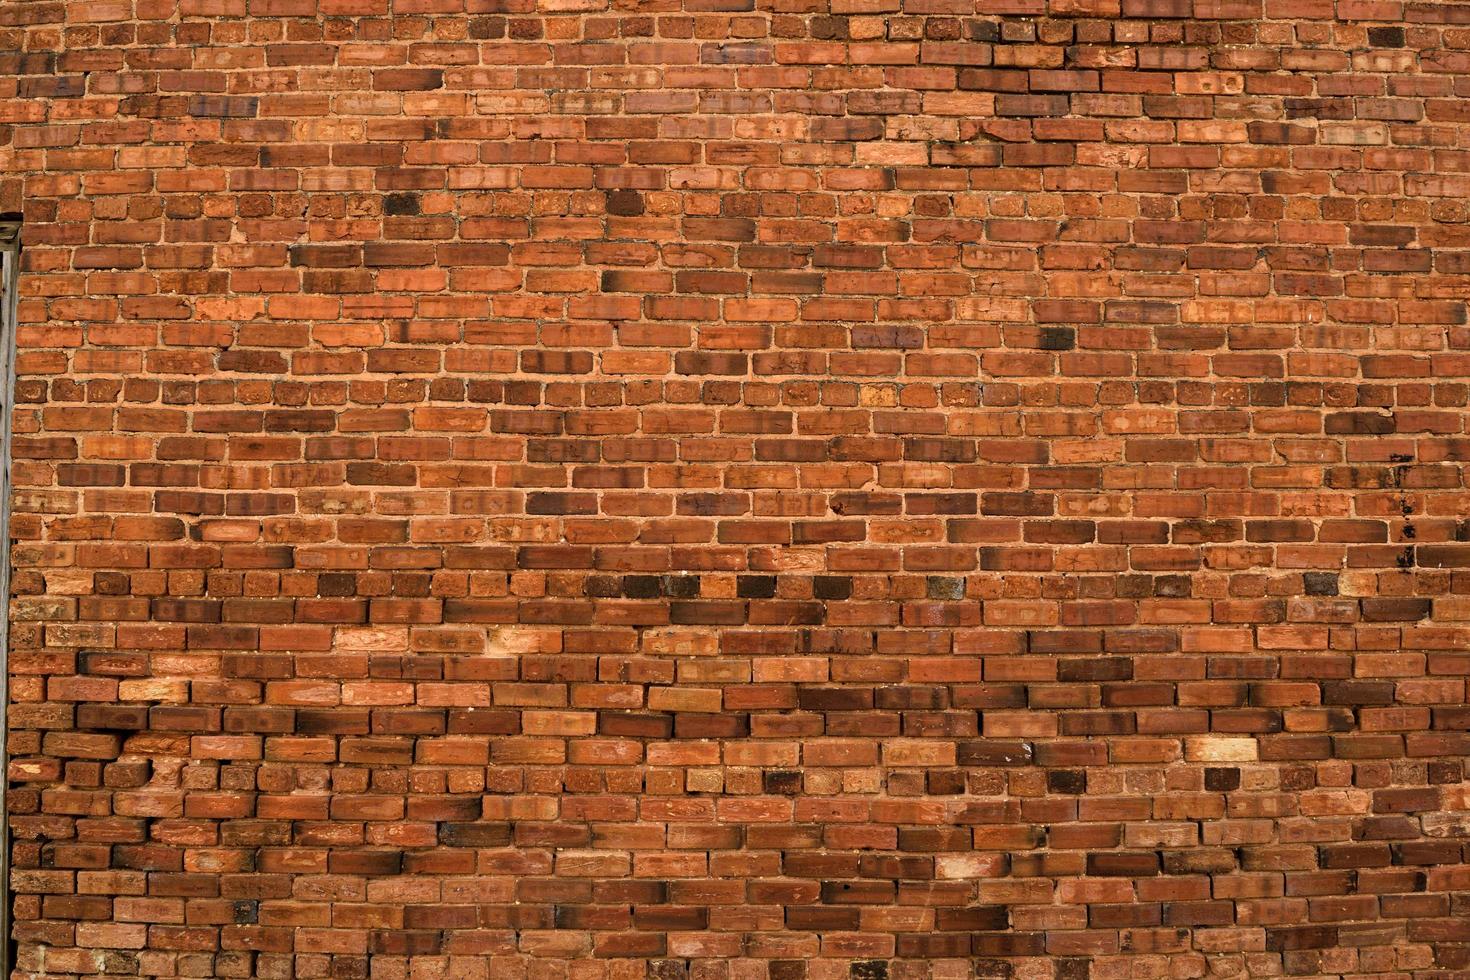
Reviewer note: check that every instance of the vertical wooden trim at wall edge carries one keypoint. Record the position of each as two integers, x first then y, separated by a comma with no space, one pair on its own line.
9,301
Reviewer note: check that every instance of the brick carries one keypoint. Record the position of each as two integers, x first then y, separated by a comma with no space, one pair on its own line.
871,492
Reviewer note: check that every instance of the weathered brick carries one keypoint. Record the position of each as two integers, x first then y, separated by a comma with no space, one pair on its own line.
858,490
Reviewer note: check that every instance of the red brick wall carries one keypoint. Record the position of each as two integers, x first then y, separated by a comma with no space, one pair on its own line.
740,490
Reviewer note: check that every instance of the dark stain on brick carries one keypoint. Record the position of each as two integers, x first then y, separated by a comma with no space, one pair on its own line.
625,203
401,203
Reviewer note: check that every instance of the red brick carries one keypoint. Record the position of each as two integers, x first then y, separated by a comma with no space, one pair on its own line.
862,491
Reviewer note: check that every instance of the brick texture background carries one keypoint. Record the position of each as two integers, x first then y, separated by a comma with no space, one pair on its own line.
740,489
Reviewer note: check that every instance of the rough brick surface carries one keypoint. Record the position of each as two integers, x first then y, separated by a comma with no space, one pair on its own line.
740,489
